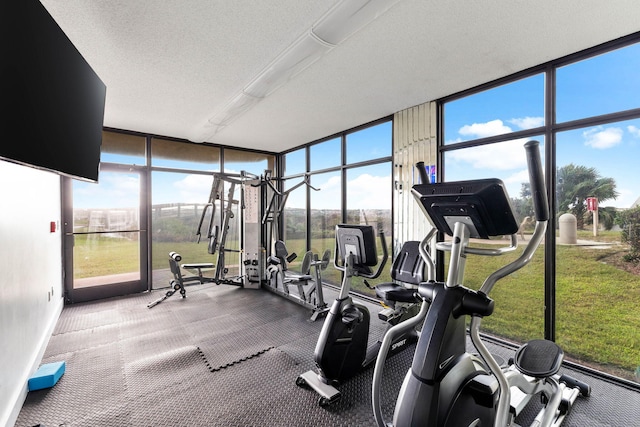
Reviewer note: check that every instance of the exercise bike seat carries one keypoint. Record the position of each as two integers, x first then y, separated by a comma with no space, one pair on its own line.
539,358
290,277
408,268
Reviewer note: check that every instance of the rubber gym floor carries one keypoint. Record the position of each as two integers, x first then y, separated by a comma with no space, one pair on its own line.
226,356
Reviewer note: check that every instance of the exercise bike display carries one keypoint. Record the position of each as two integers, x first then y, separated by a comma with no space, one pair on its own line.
446,385
342,348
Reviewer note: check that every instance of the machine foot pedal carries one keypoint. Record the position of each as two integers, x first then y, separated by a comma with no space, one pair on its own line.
539,358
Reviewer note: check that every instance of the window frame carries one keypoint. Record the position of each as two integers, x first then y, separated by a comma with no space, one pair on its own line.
550,129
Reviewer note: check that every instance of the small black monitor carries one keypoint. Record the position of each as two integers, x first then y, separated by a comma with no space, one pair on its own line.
483,205
359,241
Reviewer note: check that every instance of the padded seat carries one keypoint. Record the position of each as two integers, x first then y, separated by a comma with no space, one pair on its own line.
299,277
281,258
197,266
397,293
407,273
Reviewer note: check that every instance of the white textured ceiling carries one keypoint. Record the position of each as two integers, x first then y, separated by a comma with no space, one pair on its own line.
171,65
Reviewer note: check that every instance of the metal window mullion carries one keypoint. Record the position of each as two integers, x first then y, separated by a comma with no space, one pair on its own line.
550,238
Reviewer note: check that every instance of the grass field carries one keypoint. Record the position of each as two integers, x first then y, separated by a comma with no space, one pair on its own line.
597,301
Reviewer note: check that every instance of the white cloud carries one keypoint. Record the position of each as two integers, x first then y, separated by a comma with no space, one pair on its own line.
601,138
191,189
327,196
483,130
527,122
369,192
518,177
507,155
364,191
626,198
514,182
634,131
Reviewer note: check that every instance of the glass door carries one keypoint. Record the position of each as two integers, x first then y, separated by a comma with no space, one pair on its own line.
105,235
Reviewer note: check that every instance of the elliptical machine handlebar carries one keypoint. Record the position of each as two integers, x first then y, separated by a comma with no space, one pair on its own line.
541,209
536,180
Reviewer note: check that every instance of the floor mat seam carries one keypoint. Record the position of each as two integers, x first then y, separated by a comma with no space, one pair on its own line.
235,362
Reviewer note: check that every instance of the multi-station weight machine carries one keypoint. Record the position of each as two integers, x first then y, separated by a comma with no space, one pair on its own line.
307,291
249,207
225,210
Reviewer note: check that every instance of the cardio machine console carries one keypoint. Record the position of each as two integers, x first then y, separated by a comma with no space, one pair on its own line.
359,242
483,205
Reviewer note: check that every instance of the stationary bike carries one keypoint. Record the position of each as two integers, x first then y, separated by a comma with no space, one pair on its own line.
446,385
342,348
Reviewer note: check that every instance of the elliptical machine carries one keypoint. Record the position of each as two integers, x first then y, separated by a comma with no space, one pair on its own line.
342,348
446,386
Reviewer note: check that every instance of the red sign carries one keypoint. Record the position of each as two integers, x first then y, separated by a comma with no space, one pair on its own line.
592,204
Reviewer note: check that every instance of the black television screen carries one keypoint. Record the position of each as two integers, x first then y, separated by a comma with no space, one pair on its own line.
483,205
52,100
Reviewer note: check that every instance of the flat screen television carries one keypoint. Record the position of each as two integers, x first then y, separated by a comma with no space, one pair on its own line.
52,100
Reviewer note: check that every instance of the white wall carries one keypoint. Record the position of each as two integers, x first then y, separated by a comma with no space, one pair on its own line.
30,268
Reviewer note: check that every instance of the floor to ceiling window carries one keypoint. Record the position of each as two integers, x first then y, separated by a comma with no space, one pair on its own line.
181,179
150,201
598,277
106,245
350,182
583,287
182,176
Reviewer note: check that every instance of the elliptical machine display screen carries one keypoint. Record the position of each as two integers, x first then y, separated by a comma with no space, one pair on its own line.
483,205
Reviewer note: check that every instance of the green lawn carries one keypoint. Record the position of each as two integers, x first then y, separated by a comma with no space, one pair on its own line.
597,306
95,255
597,303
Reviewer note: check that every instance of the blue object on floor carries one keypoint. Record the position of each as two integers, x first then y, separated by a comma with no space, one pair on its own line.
46,376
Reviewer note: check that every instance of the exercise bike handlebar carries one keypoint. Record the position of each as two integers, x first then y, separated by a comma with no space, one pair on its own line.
536,180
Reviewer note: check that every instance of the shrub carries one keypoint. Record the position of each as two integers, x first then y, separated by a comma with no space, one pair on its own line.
629,221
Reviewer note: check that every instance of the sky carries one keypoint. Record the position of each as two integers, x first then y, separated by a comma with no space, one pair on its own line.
601,85
604,84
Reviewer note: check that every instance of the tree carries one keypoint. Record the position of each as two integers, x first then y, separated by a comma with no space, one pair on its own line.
576,184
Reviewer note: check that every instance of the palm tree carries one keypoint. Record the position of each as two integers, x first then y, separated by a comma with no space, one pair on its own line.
576,183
